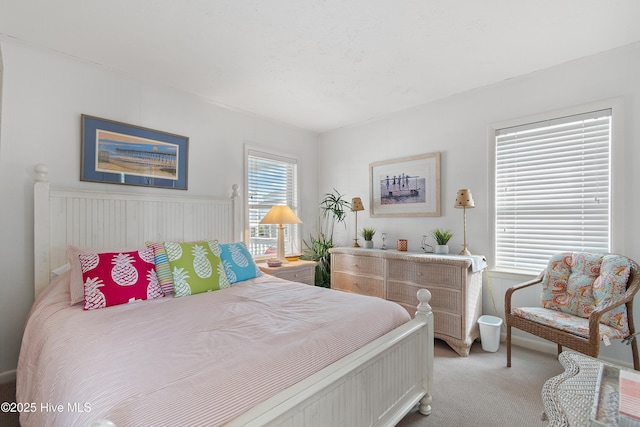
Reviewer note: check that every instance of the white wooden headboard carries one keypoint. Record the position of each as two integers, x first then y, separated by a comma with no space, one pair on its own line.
98,219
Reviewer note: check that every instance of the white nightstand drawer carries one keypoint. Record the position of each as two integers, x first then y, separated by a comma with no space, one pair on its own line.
306,276
296,271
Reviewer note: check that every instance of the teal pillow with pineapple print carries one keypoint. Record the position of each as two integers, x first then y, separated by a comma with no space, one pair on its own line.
196,267
238,262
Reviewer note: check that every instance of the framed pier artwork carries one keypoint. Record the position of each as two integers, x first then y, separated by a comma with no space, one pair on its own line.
409,186
120,153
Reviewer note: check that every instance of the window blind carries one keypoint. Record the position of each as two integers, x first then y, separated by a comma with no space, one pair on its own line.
552,189
271,180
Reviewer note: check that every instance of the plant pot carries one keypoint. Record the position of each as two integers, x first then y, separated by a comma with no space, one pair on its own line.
442,249
368,244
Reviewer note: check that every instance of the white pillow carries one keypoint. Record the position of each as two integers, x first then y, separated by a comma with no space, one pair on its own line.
59,271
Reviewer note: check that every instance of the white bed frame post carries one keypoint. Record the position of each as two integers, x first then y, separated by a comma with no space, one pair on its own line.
237,214
425,313
41,237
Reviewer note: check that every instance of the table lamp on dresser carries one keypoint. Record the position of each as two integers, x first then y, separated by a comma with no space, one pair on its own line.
464,200
356,205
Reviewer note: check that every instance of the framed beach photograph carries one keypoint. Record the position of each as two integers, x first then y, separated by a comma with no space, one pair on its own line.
409,186
121,153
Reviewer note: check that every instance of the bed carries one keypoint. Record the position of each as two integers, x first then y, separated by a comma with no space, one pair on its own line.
261,351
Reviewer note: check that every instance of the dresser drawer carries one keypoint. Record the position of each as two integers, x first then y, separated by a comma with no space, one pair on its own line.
358,264
441,299
446,300
447,324
425,273
404,293
306,276
358,284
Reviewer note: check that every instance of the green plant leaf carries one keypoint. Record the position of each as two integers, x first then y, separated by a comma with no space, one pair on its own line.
441,236
333,209
368,233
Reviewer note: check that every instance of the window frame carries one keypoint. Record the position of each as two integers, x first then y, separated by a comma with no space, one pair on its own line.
275,155
618,240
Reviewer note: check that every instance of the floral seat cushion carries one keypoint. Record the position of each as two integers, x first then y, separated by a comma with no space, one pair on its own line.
565,322
577,283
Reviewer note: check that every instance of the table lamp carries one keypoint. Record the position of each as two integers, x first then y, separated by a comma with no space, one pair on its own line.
356,205
281,214
464,200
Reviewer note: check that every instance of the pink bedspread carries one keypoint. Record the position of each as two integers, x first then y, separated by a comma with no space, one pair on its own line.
197,360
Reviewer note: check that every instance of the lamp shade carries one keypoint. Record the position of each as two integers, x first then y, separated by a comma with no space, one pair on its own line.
356,204
464,199
280,214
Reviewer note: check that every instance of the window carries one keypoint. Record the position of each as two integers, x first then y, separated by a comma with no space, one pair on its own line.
271,180
552,189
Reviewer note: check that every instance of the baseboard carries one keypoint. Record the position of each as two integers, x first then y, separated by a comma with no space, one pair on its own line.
545,346
7,376
528,343
532,344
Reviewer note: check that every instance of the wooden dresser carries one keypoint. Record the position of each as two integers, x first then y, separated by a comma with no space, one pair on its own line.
456,289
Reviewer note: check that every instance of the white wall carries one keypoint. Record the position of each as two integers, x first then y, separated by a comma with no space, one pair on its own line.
457,127
45,94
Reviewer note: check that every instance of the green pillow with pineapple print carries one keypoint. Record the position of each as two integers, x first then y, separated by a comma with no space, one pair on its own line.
195,267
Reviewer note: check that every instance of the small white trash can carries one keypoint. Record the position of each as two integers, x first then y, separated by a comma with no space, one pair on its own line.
490,332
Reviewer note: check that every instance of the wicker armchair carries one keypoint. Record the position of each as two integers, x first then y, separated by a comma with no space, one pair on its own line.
570,283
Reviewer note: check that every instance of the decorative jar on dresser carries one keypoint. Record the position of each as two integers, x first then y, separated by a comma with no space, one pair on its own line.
455,283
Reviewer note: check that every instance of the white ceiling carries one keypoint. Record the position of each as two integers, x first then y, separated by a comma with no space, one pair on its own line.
323,64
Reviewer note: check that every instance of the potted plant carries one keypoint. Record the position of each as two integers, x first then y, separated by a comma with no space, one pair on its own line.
442,238
333,208
367,234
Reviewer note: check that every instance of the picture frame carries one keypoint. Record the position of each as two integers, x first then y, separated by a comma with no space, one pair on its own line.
408,186
120,153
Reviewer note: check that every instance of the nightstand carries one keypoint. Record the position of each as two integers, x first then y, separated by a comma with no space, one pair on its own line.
296,271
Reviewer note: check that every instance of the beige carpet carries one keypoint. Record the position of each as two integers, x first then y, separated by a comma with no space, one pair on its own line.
478,390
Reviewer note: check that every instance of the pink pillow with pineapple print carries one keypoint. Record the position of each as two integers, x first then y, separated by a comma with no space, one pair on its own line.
113,278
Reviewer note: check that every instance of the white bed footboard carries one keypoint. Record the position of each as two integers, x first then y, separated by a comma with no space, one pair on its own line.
375,386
